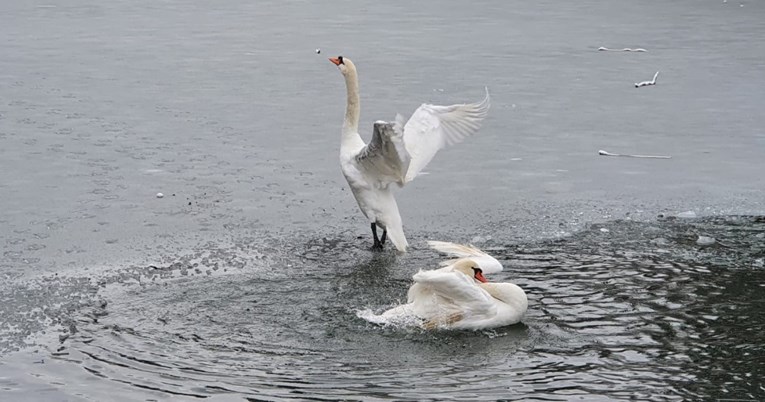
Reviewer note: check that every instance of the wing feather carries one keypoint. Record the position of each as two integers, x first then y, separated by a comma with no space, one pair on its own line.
456,292
433,127
385,157
487,263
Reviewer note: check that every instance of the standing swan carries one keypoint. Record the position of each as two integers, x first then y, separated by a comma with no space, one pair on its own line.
397,152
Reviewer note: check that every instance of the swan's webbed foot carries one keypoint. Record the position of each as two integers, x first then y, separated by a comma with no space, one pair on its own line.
378,245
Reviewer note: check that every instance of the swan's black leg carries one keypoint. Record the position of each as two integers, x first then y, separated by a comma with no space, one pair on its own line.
384,236
377,246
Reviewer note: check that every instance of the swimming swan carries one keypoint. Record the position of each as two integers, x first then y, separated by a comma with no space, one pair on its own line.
458,296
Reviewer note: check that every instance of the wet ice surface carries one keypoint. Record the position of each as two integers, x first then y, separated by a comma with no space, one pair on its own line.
229,113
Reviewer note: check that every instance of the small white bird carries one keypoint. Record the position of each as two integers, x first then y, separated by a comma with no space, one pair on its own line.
318,51
646,83
397,153
626,49
606,153
458,296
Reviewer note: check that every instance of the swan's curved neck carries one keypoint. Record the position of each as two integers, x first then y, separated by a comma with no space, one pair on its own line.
352,109
491,289
504,292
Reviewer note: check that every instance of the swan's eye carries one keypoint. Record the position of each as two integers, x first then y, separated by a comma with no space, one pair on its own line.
341,59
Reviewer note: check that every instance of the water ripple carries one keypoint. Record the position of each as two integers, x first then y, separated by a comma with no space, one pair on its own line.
610,317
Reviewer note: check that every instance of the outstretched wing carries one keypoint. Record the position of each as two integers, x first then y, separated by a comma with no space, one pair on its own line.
385,157
454,292
487,263
433,127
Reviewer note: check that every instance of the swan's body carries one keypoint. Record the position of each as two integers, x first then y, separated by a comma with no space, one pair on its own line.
457,296
397,153
646,83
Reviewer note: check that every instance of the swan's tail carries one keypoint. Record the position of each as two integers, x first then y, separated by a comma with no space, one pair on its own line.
396,235
390,219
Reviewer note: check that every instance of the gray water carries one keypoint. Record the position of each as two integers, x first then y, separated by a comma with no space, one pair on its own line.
245,279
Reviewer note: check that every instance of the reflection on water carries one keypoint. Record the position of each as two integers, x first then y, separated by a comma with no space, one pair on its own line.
621,310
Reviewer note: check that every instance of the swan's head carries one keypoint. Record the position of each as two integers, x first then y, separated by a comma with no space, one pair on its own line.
471,269
344,64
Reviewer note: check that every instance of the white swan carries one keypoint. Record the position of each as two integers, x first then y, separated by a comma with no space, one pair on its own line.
397,152
458,296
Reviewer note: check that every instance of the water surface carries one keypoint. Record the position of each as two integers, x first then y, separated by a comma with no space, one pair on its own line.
244,280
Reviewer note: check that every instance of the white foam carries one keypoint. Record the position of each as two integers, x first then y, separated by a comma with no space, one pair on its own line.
400,316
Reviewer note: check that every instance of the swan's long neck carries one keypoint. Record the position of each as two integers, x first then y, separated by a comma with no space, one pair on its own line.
508,293
352,109
351,123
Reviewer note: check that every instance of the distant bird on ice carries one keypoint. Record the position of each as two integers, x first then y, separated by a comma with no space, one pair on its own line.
646,83
397,153
626,49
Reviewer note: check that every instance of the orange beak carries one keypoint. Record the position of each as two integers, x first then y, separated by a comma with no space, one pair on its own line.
335,60
480,277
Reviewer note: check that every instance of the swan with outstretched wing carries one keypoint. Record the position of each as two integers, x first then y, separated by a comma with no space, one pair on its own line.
397,152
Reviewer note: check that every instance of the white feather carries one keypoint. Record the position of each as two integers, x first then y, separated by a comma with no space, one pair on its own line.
487,263
431,128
